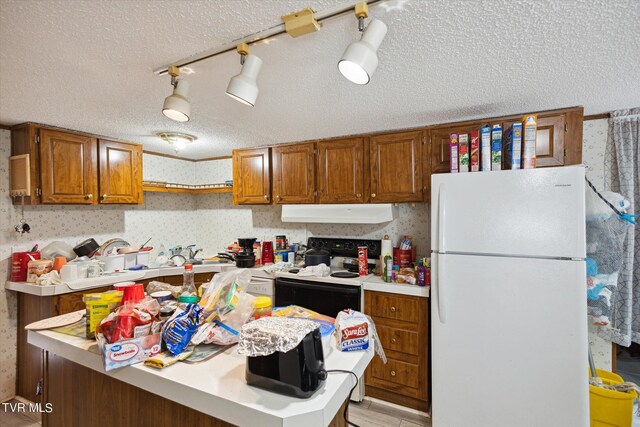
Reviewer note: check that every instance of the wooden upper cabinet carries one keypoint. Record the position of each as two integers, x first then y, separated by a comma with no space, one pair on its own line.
294,173
558,138
340,173
251,177
440,153
68,164
396,167
120,172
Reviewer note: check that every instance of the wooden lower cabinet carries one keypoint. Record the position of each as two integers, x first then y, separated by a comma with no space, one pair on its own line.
402,325
32,308
97,399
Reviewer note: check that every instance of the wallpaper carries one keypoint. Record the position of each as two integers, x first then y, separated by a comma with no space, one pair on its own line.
167,169
210,221
213,171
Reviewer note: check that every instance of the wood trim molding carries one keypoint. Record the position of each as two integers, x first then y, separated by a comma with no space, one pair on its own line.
596,116
171,156
6,127
213,158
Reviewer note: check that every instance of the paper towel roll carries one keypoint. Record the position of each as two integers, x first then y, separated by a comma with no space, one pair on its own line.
386,248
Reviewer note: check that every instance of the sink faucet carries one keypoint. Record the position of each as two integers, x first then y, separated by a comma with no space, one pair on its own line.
193,253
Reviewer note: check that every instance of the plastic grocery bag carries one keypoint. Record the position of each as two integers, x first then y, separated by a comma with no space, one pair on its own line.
607,225
226,307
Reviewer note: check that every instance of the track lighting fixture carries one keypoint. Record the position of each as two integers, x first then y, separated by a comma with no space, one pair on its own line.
176,106
243,87
360,59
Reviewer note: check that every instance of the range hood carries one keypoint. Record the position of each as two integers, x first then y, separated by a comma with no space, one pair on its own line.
340,214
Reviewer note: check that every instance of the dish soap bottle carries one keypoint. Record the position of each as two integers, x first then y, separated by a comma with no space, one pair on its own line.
387,268
422,274
188,293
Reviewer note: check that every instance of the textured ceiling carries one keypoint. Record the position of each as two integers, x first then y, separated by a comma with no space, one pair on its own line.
87,65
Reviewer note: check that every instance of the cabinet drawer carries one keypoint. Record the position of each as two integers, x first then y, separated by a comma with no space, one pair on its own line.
398,339
395,371
395,307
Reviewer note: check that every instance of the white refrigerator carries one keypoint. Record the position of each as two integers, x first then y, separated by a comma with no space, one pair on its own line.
508,297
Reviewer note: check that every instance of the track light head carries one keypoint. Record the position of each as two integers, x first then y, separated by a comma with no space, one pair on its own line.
176,106
360,59
244,87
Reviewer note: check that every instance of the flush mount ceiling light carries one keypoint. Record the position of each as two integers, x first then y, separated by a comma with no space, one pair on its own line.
176,139
176,106
244,87
360,59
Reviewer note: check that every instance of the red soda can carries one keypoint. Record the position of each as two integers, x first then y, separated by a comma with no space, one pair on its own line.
363,261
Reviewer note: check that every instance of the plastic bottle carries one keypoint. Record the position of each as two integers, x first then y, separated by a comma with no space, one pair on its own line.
422,273
188,293
388,267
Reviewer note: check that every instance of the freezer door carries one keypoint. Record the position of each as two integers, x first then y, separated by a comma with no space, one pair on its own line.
532,212
509,342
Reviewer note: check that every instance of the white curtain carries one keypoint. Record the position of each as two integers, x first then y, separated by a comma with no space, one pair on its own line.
622,175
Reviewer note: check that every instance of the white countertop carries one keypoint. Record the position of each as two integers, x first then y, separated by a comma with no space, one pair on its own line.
368,283
217,387
375,283
151,273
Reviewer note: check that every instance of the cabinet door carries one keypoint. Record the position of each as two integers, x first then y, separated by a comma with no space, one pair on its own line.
68,167
120,172
440,152
396,167
294,173
251,177
550,141
341,171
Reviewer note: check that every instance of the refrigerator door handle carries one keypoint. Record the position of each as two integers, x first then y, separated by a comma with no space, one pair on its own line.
442,211
440,294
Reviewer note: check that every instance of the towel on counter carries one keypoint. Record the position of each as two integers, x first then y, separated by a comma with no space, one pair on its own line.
50,278
320,270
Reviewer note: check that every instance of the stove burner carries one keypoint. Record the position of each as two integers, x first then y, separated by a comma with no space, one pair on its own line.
344,275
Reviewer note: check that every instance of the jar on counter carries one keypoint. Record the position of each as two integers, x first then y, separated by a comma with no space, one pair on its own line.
263,308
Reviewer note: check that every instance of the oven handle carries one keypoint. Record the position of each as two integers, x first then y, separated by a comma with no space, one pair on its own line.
346,289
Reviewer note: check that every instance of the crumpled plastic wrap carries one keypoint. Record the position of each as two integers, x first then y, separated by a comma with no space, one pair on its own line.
267,335
320,270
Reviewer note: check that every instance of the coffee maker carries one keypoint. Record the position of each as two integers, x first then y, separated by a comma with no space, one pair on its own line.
246,258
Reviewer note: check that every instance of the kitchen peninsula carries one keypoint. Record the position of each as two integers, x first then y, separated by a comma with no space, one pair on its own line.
211,393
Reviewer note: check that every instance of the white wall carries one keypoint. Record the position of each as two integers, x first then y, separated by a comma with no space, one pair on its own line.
593,146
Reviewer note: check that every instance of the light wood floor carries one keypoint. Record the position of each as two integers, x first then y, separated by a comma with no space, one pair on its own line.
18,419
365,414
375,414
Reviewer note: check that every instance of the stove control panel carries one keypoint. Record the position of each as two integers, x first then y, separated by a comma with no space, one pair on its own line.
345,247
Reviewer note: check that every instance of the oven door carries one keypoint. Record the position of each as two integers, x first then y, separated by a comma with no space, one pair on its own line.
324,298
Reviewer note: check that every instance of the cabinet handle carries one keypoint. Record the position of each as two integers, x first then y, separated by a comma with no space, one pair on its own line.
373,194
393,340
393,373
104,196
393,309
266,197
278,197
88,196
358,195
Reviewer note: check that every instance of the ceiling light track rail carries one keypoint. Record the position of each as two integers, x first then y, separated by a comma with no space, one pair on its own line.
260,36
